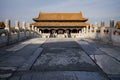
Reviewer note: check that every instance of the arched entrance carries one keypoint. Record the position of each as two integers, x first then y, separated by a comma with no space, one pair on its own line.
41,31
60,31
46,31
79,30
52,33
68,33
74,31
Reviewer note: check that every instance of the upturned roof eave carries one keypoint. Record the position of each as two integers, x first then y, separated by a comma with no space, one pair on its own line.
39,20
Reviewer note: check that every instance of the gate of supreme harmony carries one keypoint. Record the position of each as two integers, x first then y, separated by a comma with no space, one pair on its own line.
53,25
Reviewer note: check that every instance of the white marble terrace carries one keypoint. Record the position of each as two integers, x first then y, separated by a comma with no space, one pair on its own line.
9,35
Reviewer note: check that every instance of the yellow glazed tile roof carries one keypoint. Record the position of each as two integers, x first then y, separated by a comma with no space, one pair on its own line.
60,16
60,24
117,25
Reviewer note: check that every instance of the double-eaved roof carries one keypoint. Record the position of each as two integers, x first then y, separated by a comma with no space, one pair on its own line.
60,19
60,16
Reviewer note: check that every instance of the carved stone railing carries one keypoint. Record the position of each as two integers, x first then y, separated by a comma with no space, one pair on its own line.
116,35
107,34
116,32
75,35
8,35
3,37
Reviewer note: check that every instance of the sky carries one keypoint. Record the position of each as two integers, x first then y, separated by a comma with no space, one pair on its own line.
94,10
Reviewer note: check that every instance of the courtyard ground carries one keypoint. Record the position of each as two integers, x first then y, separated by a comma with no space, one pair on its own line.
60,59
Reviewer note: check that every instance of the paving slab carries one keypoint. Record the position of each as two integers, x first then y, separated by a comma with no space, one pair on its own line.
108,60
28,64
62,55
114,77
108,64
61,59
20,45
90,76
17,58
60,42
61,75
90,49
6,72
112,52
15,78
98,43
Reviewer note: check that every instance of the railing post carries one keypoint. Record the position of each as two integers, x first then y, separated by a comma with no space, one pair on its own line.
84,30
95,32
90,31
28,26
29,29
24,28
91,28
38,32
9,31
33,30
17,28
102,30
111,29
87,31
102,23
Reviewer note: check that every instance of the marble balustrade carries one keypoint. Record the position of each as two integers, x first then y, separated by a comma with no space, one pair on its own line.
9,35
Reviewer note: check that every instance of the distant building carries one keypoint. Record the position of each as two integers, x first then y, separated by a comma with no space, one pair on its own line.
117,26
2,25
60,23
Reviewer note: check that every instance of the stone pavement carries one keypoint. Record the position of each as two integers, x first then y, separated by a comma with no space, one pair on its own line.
16,56
105,55
60,59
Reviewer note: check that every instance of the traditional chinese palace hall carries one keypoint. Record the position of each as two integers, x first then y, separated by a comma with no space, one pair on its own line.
60,24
